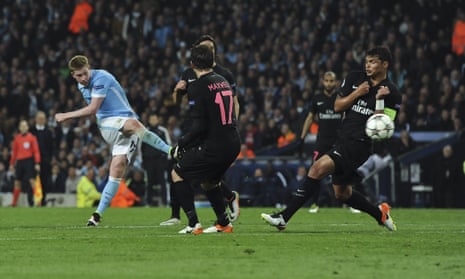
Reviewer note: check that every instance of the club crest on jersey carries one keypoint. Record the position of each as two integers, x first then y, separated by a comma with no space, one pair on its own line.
191,103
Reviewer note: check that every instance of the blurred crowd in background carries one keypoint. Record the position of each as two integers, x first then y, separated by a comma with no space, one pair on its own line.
276,50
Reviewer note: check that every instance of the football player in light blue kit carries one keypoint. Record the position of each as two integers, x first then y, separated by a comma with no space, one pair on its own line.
116,120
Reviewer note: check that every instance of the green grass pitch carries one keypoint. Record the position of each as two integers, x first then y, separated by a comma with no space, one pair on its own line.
55,243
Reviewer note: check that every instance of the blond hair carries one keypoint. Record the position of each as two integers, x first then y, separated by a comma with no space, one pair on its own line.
77,62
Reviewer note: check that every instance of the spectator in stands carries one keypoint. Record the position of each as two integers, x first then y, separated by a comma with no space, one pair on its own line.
72,180
86,193
58,179
446,187
46,143
136,183
124,197
245,153
155,162
287,136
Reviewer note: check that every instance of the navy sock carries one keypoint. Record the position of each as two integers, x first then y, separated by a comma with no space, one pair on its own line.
185,195
303,193
175,206
358,201
216,198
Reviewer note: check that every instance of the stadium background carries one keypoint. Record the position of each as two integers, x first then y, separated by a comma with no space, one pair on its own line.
276,50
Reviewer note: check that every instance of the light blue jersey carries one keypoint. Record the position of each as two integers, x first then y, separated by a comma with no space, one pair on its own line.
102,84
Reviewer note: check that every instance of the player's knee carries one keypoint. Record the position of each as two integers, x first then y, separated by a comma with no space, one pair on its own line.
118,166
133,126
318,171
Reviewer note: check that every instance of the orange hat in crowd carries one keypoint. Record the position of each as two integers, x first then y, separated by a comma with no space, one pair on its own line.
458,37
79,18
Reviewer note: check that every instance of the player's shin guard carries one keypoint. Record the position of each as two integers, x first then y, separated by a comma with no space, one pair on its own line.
216,198
358,201
303,193
185,195
153,140
108,193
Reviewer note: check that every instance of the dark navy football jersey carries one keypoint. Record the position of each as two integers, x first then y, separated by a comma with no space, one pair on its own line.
329,121
211,111
353,125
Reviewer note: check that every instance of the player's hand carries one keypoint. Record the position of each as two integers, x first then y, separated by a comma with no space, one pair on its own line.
176,153
60,117
363,88
181,85
382,91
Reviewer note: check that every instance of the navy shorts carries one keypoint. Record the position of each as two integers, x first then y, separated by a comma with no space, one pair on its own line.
201,165
348,156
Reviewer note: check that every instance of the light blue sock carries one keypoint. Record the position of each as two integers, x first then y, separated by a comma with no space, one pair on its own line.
155,141
108,193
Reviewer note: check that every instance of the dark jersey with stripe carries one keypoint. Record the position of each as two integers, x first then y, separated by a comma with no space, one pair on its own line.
329,121
353,125
211,113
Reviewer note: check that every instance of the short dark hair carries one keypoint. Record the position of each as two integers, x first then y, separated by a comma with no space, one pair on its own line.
205,38
77,62
383,53
202,57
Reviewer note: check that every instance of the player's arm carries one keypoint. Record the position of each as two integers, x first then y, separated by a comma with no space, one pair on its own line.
387,103
198,125
342,103
90,109
308,122
179,90
237,106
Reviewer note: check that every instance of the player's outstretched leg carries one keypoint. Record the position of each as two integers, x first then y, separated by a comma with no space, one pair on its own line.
303,193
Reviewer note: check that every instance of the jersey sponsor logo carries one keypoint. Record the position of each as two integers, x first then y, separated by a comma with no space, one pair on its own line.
361,107
330,115
97,87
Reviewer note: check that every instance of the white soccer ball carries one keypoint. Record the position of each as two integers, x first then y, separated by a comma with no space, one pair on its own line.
379,127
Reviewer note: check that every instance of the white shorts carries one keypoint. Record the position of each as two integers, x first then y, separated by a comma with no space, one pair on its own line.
110,128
